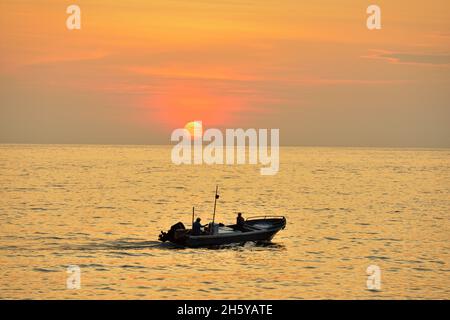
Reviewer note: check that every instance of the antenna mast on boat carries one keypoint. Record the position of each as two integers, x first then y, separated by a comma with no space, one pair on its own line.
215,202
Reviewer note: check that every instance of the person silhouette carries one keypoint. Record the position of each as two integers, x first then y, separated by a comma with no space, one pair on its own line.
240,221
197,227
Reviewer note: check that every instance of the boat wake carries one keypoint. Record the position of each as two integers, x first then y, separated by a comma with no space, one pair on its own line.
122,245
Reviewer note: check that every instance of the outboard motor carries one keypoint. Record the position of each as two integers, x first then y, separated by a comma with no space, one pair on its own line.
170,235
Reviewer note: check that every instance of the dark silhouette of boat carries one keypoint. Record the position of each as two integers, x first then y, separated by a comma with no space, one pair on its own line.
255,229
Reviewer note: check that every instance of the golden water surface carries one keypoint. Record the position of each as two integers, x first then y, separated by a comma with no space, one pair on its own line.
102,208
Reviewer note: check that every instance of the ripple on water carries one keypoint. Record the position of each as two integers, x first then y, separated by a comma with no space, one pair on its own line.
46,270
127,266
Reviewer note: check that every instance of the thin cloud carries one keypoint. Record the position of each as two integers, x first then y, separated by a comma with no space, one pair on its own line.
325,82
68,57
441,59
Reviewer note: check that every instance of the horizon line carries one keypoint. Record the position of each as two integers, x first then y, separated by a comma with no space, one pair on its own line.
171,145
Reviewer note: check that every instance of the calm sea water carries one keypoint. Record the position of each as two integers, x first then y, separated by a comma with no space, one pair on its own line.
102,208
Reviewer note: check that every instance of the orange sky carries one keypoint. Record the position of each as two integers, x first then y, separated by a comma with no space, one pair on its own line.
138,69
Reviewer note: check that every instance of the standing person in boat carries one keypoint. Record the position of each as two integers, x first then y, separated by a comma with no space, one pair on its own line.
240,221
197,227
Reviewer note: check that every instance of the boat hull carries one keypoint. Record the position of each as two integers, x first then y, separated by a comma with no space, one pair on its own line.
257,229
224,239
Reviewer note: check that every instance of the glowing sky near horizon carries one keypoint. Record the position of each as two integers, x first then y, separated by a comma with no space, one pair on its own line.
139,69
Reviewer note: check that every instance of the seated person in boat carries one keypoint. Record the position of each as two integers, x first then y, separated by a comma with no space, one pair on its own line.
240,221
197,227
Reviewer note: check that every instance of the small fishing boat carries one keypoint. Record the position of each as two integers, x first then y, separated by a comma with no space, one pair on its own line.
255,229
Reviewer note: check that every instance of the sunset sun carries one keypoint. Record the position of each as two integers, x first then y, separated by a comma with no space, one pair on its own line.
195,129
